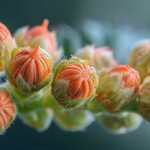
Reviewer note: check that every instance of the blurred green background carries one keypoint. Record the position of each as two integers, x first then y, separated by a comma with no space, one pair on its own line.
135,13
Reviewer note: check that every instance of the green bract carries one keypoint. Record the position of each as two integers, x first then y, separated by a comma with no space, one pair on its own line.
73,120
121,123
39,119
140,58
144,99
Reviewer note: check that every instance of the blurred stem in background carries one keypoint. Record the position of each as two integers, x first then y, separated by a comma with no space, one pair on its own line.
120,38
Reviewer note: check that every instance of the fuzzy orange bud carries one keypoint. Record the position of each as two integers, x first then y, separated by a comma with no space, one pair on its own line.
130,77
118,88
80,83
7,110
32,66
41,35
38,30
79,80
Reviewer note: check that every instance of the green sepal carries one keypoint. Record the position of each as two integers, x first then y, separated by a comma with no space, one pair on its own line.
120,123
95,107
38,119
73,120
22,98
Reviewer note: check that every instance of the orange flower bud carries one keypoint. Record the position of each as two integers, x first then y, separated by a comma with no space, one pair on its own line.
7,110
29,68
41,35
130,77
81,84
117,88
74,82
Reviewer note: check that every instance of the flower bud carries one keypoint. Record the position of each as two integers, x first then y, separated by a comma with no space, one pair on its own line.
7,43
117,88
38,34
144,99
39,119
121,123
7,110
30,69
73,120
140,58
74,83
101,57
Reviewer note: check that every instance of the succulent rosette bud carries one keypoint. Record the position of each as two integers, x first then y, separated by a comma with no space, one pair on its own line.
100,57
117,88
7,110
121,123
73,120
140,58
39,119
7,43
144,99
74,82
29,69
38,34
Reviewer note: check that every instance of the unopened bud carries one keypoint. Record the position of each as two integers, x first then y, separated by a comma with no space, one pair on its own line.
74,83
117,88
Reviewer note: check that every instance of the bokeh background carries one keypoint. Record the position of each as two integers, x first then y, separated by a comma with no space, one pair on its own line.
132,19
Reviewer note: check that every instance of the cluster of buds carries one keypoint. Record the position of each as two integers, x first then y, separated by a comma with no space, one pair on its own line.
74,91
